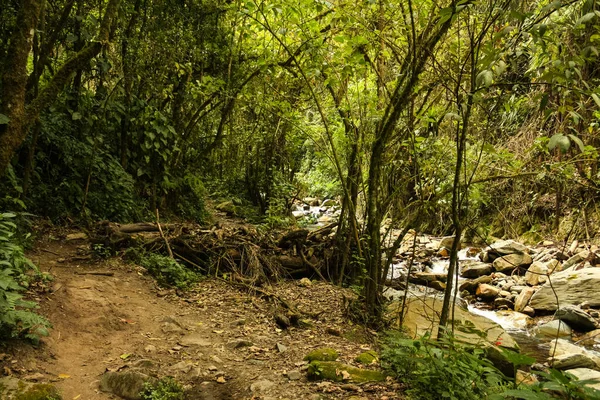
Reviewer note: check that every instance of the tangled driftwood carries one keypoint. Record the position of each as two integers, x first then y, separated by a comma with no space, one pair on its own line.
249,255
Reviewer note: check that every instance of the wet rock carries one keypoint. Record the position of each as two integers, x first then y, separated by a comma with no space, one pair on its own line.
576,259
505,247
503,303
475,270
511,261
571,287
447,241
536,274
471,285
591,338
528,311
554,328
570,361
339,372
576,318
419,315
127,385
487,292
323,354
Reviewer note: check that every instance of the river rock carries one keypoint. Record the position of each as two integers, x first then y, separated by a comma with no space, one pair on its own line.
487,292
576,317
422,316
471,285
570,361
536,273
591,338
447,241
585,374
475,270
576,259
523,298
505,247
501,302
509,262
554,328
554,266
571,287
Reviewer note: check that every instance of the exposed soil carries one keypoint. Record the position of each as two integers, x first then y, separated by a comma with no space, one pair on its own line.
103,322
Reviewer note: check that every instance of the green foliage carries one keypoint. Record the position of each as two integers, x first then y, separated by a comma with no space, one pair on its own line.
17,318
441,369
164,389
167,271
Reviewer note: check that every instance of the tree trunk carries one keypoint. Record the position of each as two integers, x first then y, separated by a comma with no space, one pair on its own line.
14,81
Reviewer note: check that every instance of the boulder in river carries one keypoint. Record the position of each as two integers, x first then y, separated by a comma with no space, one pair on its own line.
505,247
422,316
472,285
554,328
536,274
523,298
571,287
576,318
509,262
475,270
487,292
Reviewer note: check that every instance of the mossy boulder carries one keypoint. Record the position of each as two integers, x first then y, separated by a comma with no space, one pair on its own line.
323,354
367,358
340,372
14,389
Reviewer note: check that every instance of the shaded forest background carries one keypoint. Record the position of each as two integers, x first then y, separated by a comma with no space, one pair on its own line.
469,117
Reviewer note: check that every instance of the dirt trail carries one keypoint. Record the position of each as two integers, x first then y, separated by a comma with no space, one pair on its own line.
220,341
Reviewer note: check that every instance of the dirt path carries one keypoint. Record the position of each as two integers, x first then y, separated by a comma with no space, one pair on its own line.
220,341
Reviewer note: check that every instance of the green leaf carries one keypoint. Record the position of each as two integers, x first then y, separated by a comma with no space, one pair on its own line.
484,78
76,116
586,18
561,141
594,96
4,120
577,141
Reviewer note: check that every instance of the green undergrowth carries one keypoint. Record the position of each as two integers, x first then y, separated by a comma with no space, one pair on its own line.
165,389
17,315
447,369
167,271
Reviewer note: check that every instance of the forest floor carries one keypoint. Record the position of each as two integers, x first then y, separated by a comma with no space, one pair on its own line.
219,340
